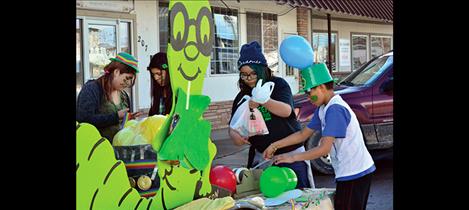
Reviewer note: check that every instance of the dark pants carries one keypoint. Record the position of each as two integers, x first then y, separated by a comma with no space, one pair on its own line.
353,194
300,168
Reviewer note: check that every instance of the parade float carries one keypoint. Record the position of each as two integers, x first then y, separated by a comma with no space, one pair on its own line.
165,162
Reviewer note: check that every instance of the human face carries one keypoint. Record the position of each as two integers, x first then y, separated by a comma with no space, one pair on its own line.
248,75
316,95
160,76
122,81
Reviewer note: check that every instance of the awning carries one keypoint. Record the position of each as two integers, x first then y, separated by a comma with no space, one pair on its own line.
377,9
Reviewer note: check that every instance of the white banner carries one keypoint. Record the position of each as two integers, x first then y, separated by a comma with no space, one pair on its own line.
344,52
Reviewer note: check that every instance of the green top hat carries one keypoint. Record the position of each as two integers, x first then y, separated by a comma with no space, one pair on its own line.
126,59
315,75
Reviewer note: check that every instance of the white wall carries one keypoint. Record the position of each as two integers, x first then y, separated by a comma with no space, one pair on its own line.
345,29
224,87
217,87
147,29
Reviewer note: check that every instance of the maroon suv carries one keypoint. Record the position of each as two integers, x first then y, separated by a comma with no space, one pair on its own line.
369,92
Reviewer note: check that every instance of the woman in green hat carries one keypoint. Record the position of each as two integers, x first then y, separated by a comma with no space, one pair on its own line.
103,102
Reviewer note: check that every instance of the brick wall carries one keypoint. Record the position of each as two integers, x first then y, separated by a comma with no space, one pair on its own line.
302,21
218,114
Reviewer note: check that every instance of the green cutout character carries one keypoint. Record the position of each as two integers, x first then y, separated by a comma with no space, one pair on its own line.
102,181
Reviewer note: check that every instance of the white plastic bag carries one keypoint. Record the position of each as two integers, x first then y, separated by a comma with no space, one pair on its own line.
239,121
248,122
261,93
256,125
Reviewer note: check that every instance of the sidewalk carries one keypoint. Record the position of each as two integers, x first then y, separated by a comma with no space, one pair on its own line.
228,154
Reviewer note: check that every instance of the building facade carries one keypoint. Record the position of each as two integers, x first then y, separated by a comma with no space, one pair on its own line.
105,28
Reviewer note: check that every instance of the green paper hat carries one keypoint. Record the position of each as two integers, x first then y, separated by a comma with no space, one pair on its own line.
315,75
126,59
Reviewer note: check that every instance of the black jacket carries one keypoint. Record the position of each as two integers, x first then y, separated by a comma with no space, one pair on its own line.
88,104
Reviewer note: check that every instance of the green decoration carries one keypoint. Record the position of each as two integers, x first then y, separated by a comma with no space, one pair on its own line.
189,137
102,181
314,98
291,178
315,75
276,180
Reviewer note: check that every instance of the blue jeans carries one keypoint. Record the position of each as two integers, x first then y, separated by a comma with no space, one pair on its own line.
300,168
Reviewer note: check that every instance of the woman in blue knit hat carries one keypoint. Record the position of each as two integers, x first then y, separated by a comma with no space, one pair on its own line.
103,102
276,109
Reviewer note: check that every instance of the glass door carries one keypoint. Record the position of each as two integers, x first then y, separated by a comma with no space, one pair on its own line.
98,40
102,45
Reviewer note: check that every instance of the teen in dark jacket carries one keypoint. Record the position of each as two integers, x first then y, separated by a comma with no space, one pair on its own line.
103,102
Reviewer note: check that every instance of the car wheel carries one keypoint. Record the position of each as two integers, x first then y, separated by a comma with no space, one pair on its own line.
322,164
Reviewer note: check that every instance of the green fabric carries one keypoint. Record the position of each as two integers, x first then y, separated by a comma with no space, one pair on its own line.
108,107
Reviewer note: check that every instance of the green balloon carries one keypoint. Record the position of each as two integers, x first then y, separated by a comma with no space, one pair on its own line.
273,181
292,180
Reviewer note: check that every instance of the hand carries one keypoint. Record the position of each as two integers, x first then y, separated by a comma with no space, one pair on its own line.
269,152
253,104
122,112
135,115
243,139
283,158
261,93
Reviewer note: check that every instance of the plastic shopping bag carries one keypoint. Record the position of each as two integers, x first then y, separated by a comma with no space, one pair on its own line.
239,121
256,123
248,122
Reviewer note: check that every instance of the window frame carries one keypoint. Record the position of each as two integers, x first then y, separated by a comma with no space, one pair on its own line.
261,13
368,43
115,21
336,50
352,34
238,14
382,36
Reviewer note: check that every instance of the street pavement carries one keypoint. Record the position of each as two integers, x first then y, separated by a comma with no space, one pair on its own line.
381,192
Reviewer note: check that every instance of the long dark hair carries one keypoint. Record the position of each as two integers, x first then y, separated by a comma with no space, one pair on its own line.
106,80
157,92
263,72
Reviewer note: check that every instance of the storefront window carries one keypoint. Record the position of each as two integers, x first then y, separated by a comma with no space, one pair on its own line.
79,62
380,45
124,38
263,28
359,50
102,47
320,47
225,51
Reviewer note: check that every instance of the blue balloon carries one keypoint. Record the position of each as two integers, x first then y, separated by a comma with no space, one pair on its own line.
295,51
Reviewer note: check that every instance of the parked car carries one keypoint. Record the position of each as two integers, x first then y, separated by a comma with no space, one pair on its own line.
369,93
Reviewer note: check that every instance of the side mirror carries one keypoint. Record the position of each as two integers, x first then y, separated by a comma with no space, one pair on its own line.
387,86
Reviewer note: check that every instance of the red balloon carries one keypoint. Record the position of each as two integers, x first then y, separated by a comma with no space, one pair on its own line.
224,177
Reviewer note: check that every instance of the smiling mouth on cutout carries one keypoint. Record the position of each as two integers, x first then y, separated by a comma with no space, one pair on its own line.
188,78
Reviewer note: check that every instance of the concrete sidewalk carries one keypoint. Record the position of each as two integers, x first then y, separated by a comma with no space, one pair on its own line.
228,154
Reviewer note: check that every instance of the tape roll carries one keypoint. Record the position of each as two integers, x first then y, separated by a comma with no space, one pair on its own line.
239,174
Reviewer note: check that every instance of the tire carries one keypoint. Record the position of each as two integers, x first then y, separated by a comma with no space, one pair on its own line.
322,164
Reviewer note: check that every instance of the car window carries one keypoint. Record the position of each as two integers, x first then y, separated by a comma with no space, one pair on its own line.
372,71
